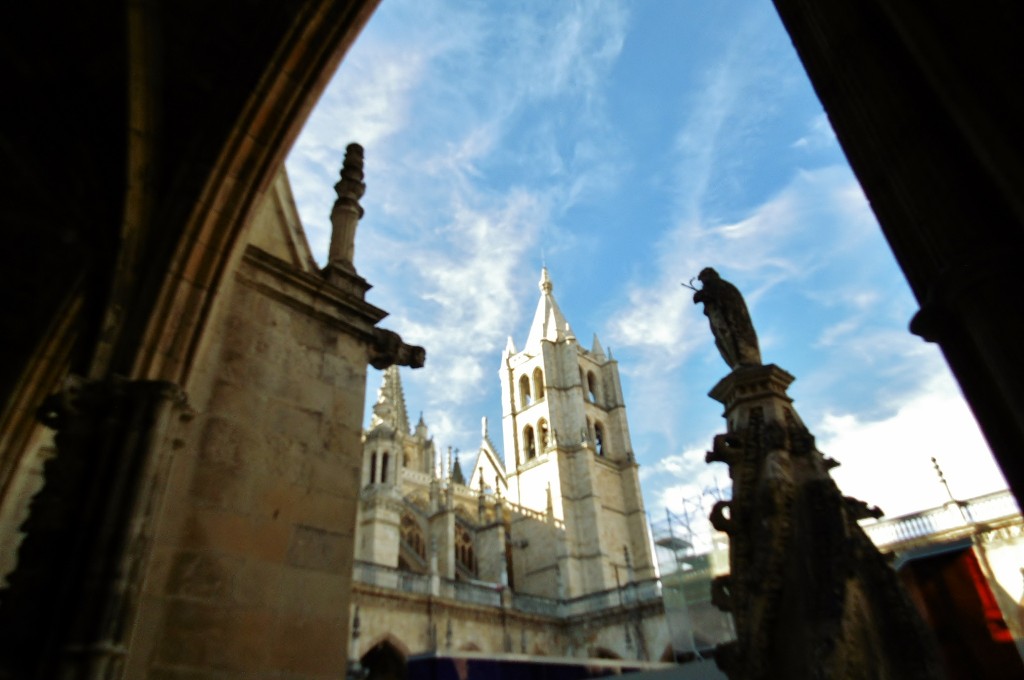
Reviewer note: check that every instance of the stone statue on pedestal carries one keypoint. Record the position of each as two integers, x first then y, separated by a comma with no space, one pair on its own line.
730,321
810,595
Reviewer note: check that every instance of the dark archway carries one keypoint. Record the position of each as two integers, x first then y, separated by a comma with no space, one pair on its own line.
384,662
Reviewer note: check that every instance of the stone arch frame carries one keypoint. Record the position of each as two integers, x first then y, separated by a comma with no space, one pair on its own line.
593,387
384,661
525,396
529,443
543,435
600,439
389,639
538,383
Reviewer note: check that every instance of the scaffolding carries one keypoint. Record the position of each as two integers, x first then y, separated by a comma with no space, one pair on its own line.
690,554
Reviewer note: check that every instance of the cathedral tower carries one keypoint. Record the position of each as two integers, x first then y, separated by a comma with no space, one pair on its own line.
568,452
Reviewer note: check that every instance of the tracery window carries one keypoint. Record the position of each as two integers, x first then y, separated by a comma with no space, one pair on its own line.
529,443
412,535
464,553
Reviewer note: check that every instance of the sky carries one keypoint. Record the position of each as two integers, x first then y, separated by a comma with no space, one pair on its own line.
626,146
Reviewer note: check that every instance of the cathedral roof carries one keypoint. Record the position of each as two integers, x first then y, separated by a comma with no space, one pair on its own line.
548,321
390,407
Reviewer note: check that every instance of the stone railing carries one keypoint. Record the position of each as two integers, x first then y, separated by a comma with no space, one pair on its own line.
393,579
421,478
534,514
629,594
948,522
489,594
535,604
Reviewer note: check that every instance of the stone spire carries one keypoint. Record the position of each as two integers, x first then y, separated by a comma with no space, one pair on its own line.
597,350
347,212
390,406
548,321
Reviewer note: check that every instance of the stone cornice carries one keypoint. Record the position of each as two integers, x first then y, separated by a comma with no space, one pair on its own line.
309,293
749,383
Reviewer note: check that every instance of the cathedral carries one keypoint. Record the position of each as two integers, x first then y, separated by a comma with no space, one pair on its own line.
541,548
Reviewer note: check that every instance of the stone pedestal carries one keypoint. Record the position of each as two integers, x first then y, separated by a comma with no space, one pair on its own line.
810,594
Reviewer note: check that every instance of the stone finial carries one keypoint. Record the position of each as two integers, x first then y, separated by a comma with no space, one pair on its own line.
483,427
347,211
545,281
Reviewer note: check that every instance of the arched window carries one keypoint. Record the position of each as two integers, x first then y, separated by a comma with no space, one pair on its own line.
599,439
464,549
373,468
592,387
542,433
529,443
538,382
412,534
384,469
524,391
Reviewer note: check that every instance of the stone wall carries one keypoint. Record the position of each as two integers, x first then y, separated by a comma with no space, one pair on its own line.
252,562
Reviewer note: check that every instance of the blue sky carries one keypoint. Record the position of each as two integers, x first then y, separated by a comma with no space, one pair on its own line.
628,145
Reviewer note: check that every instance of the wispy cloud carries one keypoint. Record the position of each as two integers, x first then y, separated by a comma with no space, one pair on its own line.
453,210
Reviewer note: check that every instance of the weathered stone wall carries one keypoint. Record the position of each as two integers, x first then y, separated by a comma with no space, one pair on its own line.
536,549
252,563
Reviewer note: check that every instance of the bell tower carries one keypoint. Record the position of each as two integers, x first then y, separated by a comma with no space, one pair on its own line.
568,453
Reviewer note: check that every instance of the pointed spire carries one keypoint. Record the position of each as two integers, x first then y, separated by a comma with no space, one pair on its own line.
421,428
347,211
548,321
510,348
457,476
597,350
390,406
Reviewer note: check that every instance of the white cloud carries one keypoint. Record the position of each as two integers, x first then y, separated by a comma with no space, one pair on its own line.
886,462
768,247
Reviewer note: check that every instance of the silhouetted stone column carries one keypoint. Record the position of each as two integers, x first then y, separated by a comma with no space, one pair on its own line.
810,594
71,601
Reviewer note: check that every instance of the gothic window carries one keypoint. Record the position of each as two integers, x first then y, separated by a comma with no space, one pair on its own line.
542,433
529,443
412,535
524,391
384,469
599,439
464,554
538,382
373,467
592,387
